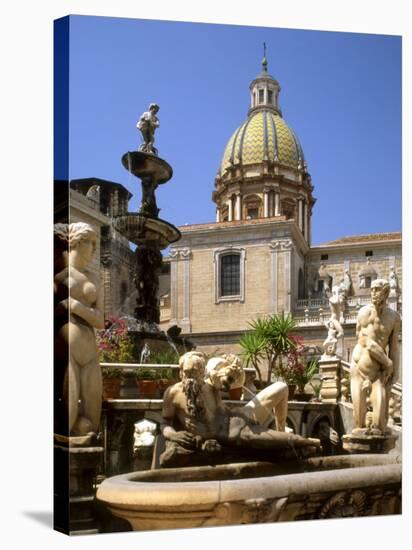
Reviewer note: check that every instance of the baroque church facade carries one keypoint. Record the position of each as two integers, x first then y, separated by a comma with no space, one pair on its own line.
256,259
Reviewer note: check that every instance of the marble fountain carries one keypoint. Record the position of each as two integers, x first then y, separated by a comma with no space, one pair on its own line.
282,487
259,492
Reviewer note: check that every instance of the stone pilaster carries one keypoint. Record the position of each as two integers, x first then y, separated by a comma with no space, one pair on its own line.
174,255
185,257
286,247
274,251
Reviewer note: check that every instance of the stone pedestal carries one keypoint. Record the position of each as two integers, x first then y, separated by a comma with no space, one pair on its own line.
75,470
368,443
329,371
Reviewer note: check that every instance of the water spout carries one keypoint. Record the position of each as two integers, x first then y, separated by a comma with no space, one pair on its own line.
145,354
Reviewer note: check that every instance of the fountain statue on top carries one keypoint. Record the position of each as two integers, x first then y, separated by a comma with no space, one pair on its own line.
149,233
147,124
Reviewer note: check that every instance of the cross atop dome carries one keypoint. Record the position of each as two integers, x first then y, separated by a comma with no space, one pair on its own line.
264,60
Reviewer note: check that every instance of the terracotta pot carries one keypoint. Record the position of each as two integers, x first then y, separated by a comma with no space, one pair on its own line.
291,388
148,389
111,388
163,384
235,393
303,396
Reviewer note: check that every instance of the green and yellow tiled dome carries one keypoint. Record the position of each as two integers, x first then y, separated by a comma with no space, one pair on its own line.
264,135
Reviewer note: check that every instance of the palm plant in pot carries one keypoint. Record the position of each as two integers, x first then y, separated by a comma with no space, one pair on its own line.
269,341
305,376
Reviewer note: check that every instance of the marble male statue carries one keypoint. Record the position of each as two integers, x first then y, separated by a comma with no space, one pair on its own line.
375,360
147,124
195,417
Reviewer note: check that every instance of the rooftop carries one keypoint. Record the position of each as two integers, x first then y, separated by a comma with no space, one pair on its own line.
370,237
215,225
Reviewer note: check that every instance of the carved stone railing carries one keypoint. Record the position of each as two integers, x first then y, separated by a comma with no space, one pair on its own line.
354,301
312,303
310,318
335,376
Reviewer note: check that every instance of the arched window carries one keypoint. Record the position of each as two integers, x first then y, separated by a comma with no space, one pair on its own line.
252,207
229,275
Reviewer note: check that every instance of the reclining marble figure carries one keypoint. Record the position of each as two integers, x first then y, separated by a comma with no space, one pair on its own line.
196,419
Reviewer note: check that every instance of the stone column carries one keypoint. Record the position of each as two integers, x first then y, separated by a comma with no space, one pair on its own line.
277,204
174,254
185,256
300,214
230,207
306,220
217,215
274,250
238,210
265,204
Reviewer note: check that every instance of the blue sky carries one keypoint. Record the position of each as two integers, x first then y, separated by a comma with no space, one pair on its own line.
341,94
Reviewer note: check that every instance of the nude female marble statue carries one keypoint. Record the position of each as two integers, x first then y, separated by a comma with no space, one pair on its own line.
375,360
195,417
78,311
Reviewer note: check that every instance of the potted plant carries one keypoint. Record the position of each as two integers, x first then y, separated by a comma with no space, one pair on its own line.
316,392
114,346
270,340
307,373
112,378
167,376
146,380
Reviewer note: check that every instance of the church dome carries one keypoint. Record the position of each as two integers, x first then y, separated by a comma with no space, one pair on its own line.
264,136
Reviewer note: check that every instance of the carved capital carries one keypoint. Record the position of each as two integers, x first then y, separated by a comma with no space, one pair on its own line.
281,244
185,254
274,245
286,244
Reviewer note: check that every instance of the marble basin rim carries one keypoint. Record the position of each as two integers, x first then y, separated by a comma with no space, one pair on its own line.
164,499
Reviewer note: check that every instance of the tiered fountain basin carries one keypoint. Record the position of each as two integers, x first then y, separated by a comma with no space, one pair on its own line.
257,492
146,165
140,229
